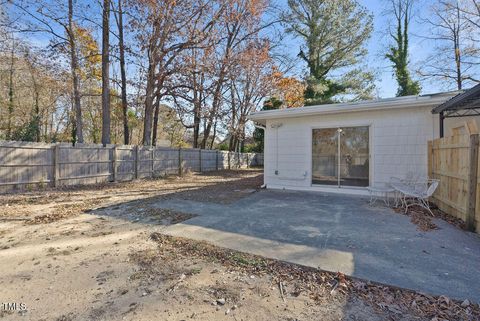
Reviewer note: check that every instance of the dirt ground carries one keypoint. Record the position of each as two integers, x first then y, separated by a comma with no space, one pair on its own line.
62,261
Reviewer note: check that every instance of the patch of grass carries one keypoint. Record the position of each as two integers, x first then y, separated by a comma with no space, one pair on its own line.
193,271
246,260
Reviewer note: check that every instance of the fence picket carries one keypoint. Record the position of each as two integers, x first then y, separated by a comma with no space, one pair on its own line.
454,161
26,164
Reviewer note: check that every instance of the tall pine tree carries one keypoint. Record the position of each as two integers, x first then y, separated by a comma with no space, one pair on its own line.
334,33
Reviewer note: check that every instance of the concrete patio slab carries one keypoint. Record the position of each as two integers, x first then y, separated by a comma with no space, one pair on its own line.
340,233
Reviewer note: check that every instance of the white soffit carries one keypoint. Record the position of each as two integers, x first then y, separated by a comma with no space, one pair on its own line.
367,105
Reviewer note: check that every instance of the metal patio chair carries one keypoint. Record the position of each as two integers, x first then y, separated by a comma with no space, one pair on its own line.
417,193
406,183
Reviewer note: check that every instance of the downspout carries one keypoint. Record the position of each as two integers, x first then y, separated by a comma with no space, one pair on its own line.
276,126
262,128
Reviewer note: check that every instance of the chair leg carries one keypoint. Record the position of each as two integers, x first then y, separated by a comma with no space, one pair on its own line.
405,203
372,199
424,203
398,199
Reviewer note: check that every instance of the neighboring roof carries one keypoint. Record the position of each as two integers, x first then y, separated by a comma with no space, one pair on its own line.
367,105
466,103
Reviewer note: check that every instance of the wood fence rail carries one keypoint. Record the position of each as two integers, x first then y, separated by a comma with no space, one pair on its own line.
454,161
27,165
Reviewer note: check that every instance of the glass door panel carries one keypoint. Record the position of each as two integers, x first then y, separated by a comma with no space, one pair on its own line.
324,156
344,165
354,156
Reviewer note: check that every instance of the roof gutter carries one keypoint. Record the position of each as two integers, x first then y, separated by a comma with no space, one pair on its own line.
425,101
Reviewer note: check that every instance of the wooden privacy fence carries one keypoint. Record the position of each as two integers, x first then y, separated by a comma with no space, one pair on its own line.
35,164
454,161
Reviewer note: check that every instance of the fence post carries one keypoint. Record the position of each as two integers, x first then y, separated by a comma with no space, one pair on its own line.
200,160
180,161
248,161
472,183
430,159
216,160
56,169
114,163
136,161
430,169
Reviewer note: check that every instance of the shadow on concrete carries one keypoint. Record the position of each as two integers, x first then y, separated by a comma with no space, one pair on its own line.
331,231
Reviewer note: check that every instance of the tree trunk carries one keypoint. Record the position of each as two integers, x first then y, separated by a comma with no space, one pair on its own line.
126,132
233,133
196,124
46,135
72,121
208,127
458,67
456,41
155,121
214,136
106,73
10,97
37,116
76,82
36,105
217,96
213,114
197,107
242,135
147,119
196,113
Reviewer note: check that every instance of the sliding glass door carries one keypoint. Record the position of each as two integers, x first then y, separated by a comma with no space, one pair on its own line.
340,156
324,153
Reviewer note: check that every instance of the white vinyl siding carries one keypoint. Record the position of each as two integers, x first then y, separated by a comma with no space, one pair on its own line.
398,144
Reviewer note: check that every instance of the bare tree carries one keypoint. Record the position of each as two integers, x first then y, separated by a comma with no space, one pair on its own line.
250,81
10,89
166,32
204,102
50,18
106,73
454,56
123,73
240,23
197,73
74,69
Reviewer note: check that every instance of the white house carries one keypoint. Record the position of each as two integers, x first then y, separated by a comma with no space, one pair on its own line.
347,146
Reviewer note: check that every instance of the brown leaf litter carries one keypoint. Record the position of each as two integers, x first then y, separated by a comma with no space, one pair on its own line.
321,285
62,211
424,220
50,205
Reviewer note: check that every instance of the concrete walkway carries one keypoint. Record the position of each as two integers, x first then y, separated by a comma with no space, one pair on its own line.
340,233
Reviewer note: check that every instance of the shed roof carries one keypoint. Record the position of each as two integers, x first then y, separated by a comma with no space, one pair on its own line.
430,100
465,103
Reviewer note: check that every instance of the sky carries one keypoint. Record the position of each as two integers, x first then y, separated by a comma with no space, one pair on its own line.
377,44
386,84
